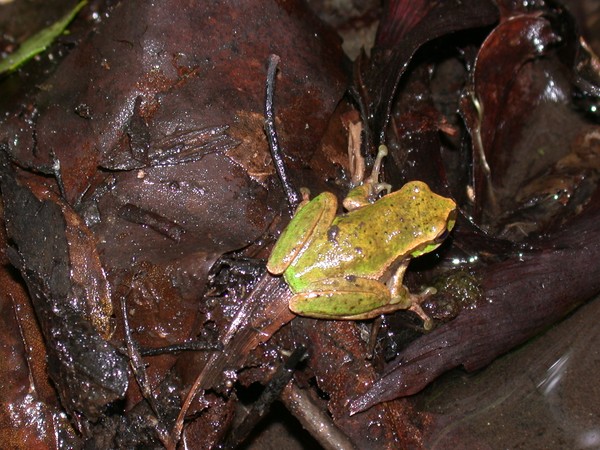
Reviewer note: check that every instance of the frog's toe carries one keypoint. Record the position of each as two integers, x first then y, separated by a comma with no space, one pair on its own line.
416,300
427,321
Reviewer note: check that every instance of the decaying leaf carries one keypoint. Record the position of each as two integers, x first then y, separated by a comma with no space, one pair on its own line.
136,177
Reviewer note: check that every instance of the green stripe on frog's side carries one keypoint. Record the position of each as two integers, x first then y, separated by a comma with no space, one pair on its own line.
340,267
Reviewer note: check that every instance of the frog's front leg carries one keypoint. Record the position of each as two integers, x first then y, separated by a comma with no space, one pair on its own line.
344,298
402,297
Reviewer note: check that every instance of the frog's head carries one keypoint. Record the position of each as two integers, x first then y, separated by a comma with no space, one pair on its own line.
441,218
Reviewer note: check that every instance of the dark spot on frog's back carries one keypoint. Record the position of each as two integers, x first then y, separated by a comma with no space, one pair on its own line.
332,233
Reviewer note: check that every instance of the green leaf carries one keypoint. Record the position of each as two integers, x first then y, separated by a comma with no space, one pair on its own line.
38,42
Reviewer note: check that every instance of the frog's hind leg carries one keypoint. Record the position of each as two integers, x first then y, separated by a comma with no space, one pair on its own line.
344,298
373,180
367,192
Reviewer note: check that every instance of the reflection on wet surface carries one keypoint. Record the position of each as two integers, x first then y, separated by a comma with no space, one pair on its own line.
543,395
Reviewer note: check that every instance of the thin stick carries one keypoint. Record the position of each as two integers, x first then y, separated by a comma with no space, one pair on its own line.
262,405
316,421
139,372
292,196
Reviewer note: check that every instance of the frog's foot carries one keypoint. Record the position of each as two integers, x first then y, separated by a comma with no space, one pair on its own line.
415,306
375,187
378,188
305,193
367,193
402,296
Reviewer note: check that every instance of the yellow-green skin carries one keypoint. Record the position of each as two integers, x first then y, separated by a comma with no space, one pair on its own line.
351,266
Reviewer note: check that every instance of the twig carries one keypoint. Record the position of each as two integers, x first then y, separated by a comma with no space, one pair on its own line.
191,346
262,406
247,330
139,372
292,195
316,421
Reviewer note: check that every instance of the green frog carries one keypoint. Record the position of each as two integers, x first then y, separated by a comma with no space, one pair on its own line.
351,266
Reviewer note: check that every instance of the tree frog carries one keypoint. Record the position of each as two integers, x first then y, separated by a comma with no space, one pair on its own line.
351,266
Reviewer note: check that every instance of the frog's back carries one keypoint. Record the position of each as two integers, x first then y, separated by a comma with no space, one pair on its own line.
367,241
